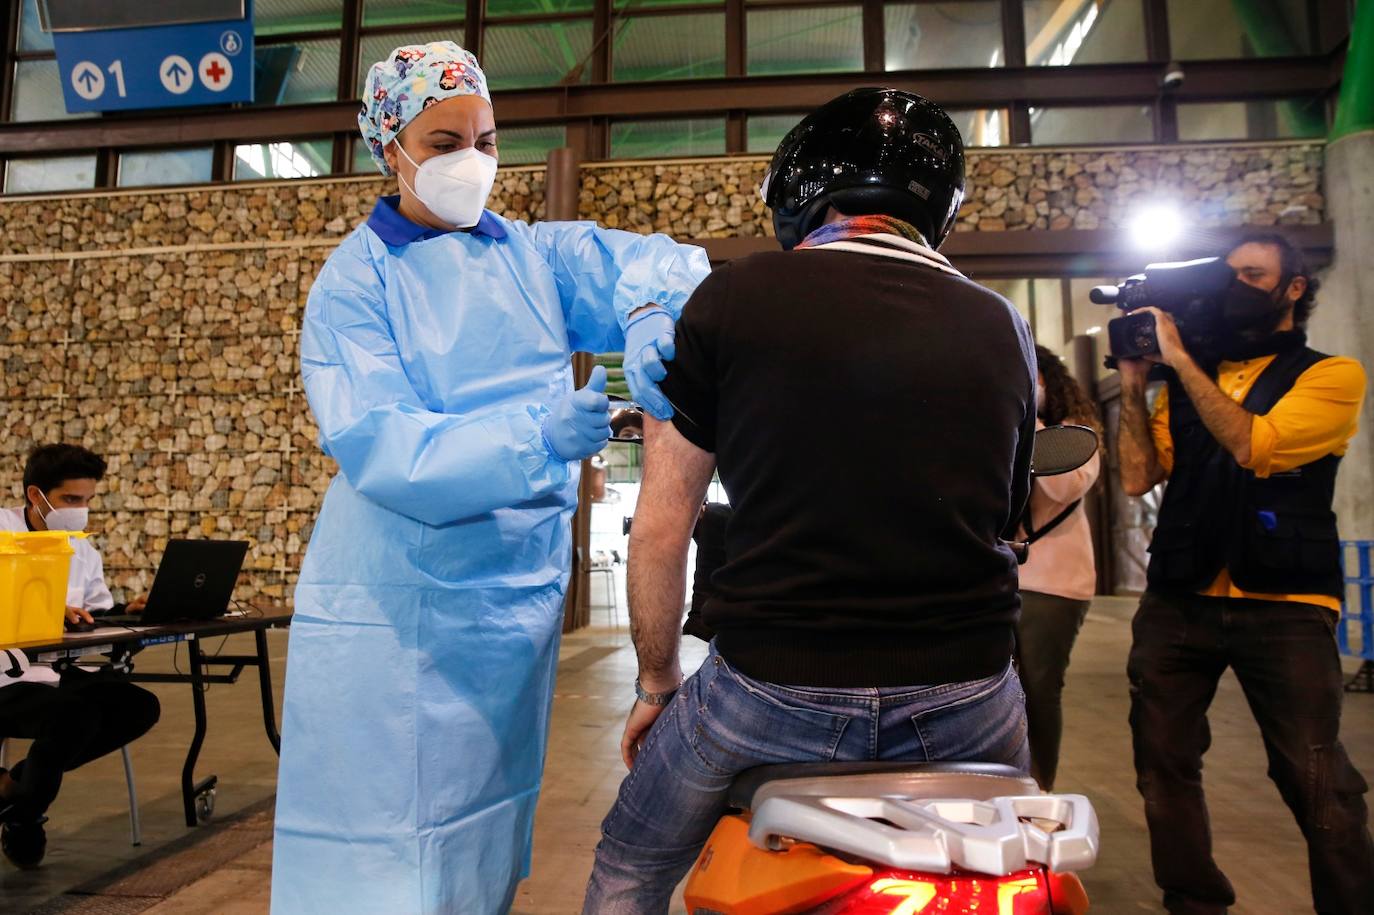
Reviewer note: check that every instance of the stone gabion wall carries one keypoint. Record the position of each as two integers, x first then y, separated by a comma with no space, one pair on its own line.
1251,184
161,329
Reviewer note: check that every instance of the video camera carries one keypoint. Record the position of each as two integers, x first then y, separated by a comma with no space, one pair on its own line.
1191,292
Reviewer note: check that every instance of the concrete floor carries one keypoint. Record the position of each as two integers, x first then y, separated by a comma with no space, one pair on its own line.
1257,843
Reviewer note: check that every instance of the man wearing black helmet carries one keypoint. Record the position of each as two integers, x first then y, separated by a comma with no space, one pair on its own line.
871,413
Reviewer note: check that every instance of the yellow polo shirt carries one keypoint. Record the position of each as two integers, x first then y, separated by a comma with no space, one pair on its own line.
1317,417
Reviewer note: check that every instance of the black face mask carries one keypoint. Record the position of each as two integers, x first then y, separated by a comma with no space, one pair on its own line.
1251,314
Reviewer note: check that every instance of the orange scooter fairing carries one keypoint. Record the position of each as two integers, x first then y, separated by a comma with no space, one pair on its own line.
734,877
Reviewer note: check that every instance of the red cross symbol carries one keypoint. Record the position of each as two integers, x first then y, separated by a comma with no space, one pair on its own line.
215,71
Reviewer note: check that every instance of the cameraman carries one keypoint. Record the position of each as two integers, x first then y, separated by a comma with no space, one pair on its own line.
1245,572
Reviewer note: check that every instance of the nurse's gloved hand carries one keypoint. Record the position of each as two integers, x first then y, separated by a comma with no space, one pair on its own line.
579,425
648,344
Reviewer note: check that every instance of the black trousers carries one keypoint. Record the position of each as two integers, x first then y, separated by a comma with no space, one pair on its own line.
1044,638
1284,655
82,718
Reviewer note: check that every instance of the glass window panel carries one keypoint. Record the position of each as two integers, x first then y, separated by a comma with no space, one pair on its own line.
497,8
142,168
978,127
825,39
767,130
376,48
397,12
1061,32
1091,319
1261,120
1227,29
279,17
296,73
635,5
283,159
1101,124
38,93
361,162
31,34
983,126
521,56
661,139
60,173
669,47
1040,302
923,36
529,145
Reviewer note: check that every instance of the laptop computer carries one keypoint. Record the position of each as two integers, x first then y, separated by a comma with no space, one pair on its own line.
194,581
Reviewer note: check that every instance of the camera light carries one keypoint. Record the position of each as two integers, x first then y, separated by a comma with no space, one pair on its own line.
1156,227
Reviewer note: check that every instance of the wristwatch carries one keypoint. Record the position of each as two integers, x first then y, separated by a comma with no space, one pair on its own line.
648,698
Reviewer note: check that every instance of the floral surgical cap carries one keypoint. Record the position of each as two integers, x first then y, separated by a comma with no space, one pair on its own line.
411,79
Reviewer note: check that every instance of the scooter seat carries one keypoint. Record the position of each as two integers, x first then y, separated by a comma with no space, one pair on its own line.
976,781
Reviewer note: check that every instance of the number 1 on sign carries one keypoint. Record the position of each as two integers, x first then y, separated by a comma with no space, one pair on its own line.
117,70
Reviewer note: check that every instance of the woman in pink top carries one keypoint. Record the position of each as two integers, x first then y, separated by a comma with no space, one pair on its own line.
1060,577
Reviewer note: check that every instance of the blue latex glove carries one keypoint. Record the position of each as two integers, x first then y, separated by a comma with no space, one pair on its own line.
579,425
648,343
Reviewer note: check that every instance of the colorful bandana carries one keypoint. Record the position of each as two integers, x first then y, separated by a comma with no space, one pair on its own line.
855,226
410,80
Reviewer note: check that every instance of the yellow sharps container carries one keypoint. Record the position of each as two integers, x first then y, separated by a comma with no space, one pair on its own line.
33,584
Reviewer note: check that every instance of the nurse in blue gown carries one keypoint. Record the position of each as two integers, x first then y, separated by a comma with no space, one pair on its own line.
435,350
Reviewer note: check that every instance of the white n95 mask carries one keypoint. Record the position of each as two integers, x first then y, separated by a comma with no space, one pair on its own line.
454,186
65,519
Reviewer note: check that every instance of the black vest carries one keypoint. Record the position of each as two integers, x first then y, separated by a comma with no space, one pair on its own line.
1275,535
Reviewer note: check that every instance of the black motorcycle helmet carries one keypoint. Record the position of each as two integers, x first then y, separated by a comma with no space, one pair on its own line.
870,151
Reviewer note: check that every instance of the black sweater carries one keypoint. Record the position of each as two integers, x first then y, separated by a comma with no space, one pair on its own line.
871,417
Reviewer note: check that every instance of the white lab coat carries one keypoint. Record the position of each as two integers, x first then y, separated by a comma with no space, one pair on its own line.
85,589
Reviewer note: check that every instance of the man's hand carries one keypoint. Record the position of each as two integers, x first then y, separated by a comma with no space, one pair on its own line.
642,718
77,615
137,604
1171,351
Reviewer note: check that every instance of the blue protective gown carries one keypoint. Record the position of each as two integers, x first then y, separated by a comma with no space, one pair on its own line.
422,653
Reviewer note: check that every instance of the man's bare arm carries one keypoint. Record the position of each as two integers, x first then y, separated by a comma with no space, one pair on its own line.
1140,467
1229,422
676,474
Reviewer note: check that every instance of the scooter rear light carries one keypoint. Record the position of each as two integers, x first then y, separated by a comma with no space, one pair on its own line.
905,893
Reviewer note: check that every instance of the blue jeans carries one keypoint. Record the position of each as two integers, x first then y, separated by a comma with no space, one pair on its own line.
722,722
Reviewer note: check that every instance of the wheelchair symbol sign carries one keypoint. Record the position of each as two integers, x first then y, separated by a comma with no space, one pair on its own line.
230,43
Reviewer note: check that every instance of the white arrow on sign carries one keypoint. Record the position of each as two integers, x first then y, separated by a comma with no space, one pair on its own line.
88,81
176,73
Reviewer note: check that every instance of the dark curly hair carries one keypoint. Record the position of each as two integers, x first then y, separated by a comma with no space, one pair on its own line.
49,466
1293,264
1065,400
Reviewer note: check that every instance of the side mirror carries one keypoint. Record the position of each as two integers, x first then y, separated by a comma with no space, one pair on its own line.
1062,449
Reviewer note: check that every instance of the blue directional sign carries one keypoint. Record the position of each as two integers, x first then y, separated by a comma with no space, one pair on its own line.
208,63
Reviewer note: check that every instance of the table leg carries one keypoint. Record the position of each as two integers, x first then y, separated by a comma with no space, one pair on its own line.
189,789
269,710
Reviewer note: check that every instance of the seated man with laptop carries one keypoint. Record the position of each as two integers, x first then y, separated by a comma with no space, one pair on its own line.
77,716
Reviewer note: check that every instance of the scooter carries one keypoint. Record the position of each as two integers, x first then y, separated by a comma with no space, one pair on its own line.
902,838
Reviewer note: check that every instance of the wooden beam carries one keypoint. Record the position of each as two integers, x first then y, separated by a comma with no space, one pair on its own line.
1070,252
349,48
735,39
875,37
1135,83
